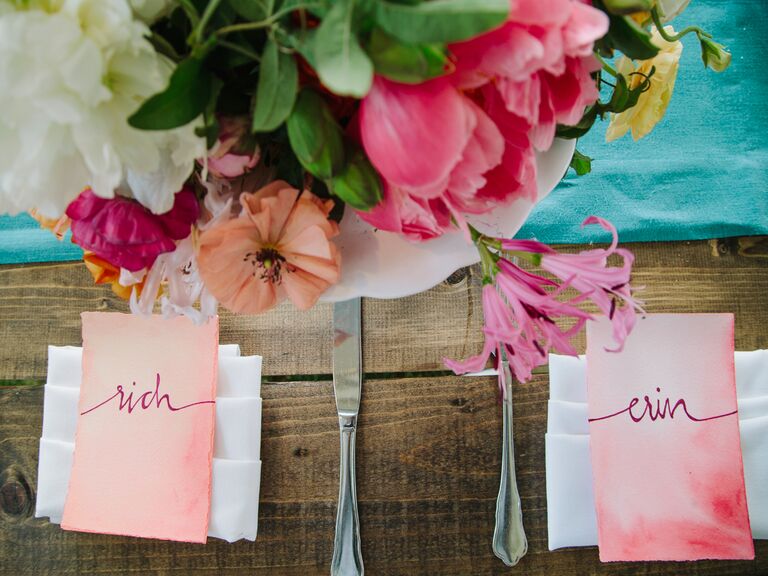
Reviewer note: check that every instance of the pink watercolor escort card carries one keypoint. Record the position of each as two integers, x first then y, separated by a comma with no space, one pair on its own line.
142,462
664,438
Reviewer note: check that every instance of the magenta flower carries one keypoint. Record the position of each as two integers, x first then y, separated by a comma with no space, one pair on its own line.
125,233
608,287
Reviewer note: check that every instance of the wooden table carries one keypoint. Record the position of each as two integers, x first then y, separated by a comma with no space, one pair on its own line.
428,446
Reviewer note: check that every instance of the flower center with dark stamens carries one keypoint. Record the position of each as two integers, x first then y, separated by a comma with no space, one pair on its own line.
268,264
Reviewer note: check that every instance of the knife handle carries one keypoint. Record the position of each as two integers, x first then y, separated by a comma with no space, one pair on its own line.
347,558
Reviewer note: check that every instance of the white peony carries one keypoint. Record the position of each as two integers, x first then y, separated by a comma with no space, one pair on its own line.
72,72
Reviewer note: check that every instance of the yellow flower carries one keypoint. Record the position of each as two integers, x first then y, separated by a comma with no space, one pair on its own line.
58,226
105,273
652,104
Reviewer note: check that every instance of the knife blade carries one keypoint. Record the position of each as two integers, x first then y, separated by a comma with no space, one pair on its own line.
347,557
347,356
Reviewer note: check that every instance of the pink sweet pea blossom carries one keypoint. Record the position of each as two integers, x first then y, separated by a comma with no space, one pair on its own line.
125,233
233,155
540,62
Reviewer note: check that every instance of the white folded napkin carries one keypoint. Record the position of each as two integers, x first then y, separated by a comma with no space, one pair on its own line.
236,468
571,517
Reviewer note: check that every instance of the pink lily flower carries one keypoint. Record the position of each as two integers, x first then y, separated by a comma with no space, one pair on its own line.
535,309
499,331
608,287
520,317
521,309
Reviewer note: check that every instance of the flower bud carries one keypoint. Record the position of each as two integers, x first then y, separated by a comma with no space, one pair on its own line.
714,55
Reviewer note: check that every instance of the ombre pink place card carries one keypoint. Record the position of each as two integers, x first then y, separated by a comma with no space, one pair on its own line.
664,438
142,461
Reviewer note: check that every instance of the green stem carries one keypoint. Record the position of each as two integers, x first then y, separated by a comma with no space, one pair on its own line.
266,23
607,67
675,37
199,29
190,11
237,48
164,47
532,257
489,265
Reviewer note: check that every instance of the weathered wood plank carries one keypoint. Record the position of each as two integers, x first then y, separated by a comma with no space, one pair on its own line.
40,305
428,462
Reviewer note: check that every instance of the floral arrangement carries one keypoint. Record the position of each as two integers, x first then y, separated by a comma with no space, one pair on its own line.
204,152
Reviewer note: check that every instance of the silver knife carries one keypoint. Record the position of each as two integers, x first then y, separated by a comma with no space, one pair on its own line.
347,381
509,541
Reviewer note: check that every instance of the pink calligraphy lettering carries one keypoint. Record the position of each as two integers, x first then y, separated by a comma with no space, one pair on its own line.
146,400
660,411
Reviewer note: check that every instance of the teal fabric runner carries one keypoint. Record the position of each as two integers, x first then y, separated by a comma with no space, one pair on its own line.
703,173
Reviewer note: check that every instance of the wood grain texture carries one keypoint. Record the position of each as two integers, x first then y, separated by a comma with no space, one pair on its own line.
404,335
428,447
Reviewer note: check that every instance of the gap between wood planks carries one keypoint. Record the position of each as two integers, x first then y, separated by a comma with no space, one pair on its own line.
280,379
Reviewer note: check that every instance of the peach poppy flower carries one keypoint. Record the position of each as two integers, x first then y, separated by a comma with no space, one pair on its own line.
280,246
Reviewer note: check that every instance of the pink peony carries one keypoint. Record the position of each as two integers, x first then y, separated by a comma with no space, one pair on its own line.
125,233
540,62
440,155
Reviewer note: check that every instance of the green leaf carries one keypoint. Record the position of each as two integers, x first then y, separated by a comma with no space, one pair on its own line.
358,183
317,7
210,128
627,36
276,92
305,45
340,62
185,98
253,10
581,163
406,63
624,97
584,125
441,20
315,136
